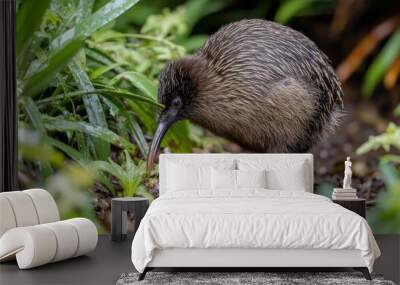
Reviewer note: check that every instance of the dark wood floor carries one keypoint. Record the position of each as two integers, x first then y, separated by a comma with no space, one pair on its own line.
103,266
110,260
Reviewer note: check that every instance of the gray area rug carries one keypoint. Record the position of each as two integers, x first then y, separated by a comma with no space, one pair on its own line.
233,278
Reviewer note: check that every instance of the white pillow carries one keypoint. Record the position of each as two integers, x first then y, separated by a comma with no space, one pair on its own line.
224,179
251,178
281,174
295,180
182,177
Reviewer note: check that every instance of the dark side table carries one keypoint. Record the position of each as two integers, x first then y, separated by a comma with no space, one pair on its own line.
355,205
119,215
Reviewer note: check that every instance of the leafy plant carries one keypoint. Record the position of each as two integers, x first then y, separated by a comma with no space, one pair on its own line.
44,55
85,87
385,217
387,140
88,93
129,175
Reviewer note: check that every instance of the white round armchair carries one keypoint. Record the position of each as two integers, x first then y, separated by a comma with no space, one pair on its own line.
31,230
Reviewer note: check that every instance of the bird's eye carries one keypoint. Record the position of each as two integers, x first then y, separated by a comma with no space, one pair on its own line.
176,102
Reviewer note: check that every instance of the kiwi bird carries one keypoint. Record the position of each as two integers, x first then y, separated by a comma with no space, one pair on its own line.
262,85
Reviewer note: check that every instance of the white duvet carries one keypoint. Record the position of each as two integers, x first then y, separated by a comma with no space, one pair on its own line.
254,218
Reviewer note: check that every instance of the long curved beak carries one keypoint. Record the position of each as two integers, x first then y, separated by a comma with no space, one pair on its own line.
166,119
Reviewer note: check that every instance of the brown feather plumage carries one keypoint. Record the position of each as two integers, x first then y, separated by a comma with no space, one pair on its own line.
263,85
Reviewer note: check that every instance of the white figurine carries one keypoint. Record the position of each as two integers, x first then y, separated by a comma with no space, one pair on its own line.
347,174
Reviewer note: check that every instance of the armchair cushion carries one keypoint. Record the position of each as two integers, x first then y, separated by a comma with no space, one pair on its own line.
40,244
31,232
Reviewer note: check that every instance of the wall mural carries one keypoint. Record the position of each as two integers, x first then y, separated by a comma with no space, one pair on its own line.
102,88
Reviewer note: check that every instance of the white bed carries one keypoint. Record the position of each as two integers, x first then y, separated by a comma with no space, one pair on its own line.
280,225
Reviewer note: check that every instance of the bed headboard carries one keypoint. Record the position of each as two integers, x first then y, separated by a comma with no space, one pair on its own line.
211,158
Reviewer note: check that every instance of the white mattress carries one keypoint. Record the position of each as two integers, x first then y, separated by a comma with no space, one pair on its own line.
252,219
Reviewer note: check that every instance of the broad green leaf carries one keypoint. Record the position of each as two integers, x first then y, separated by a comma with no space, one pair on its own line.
64,96
290,8
139,81
124,178
106,182
99,3
84,9
131,96
108,92
29,18
109,167
103,69
93,106
98,167
39,81
146,115
34,115
102,58
68,150
128,175
95,131
120,172
381,63
87,26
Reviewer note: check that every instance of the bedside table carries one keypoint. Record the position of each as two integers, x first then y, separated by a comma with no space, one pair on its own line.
119,214
355,205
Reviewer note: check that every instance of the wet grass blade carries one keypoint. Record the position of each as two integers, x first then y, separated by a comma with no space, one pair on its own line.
139,81
381,63
102,166
87,26
34,114
133,126
103,92
29,17
93,106
84,9
36,119
62,125
131,96
68,150
103,69
38,81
